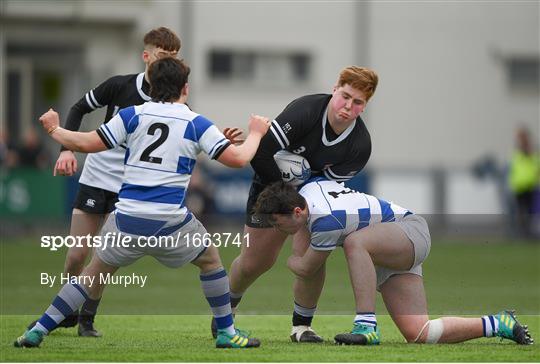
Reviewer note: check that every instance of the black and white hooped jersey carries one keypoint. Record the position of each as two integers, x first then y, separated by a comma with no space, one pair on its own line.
335,211
163,141
303,128
104,170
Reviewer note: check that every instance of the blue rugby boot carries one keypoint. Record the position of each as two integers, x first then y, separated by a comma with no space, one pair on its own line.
360,335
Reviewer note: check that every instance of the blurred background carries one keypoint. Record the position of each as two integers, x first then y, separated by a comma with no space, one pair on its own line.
458,80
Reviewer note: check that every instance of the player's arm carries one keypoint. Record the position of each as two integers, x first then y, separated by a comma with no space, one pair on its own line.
66,163
288,126
238,156
307,265
324,232
89,142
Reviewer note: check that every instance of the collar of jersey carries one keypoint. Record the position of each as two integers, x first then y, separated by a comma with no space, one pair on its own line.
140,80
341,137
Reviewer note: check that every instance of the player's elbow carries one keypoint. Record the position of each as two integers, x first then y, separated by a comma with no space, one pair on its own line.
238,163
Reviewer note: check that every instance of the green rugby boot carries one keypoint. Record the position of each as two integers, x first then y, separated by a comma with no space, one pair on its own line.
240,340
360,335
510,328
30,339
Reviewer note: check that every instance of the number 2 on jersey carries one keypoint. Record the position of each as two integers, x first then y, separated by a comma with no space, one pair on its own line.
145,156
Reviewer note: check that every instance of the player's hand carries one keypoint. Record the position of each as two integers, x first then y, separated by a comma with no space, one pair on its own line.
259,124
50,120
66,165
234,135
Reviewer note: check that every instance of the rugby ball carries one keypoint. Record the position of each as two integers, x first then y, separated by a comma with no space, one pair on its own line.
294,168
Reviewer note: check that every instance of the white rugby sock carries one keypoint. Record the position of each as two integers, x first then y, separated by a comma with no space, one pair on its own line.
490,325
366,318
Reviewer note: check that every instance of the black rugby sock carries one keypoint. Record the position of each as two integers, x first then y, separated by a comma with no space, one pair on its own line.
89,310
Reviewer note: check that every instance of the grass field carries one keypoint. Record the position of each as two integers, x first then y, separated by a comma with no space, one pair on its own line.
168,319
186,338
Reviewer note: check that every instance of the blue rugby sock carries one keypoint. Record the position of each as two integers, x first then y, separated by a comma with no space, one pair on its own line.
69,299
215,285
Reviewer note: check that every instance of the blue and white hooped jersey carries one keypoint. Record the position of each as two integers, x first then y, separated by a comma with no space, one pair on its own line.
335,211
163,141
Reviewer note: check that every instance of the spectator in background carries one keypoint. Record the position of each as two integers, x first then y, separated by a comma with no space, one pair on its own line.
32,153
8,157
524,179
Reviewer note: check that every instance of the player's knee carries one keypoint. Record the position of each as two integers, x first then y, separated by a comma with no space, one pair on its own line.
411,335
252,268
75,261
209,260
353,245
430,333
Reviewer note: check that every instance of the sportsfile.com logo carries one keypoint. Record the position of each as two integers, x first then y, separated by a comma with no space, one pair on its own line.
120,240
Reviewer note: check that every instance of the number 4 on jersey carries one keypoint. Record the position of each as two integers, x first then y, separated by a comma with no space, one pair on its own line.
335,194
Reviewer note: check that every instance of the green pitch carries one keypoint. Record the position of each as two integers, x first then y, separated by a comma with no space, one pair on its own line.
168,320
187,338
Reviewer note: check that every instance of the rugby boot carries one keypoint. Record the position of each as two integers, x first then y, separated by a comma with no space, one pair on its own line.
510,328
86,327
360,335
30,339
240,340
304,334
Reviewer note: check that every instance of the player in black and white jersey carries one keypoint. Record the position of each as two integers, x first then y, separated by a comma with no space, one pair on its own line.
101,177
328,131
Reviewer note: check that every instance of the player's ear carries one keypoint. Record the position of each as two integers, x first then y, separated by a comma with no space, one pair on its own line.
145,56
185,89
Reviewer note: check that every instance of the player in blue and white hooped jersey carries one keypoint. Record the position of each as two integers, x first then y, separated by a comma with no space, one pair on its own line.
163,138
385,245
101,176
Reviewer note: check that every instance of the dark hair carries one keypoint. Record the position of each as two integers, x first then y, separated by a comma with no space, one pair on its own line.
278,198
167,77
163,38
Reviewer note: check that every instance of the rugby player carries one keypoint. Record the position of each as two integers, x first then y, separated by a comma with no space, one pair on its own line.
327,130
162,138
385,246
101,176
